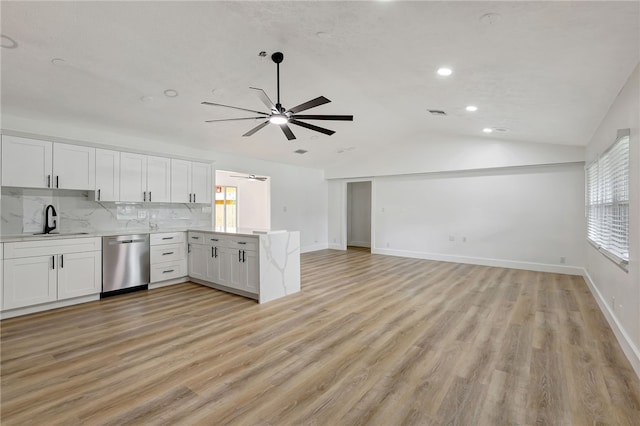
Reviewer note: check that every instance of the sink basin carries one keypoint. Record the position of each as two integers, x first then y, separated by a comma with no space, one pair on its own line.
42,234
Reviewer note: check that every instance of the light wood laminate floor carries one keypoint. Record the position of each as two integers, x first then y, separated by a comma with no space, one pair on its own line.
371,339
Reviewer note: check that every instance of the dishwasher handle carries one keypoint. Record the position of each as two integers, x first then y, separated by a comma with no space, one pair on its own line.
114,242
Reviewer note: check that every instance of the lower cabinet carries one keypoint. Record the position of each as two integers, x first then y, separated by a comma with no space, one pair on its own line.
225,260
168,257
38,272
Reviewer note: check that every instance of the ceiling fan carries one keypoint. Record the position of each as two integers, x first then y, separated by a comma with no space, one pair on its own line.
252,177
279,115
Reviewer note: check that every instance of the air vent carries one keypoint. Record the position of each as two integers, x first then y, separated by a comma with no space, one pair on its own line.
437,112
300,151
500,129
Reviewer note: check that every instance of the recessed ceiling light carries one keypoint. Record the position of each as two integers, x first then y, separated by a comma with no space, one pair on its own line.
58,61
7,42
323,35
500,129
487,130
147,99
170,93
490,18
471,108
445,71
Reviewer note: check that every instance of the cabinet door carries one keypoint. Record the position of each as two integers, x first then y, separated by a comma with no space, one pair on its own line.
201,182
74,166
197,261
233,263
79,274
158,179
250,272
133,177
29,281
26,162
181,181
107,175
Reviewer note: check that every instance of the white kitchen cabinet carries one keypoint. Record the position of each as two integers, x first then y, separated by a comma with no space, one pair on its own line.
201,182
168,258
144,178
190,182
158,179
79,274
42,271
26,162
250,271
30,163
29,281
197,261
73,167
107,175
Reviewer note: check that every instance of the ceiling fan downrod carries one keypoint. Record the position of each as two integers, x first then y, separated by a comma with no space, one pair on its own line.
278,57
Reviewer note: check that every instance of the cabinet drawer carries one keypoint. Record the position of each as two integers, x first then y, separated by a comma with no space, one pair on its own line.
167,238
244,243
216,240
51,246
168,271
167,253
197,237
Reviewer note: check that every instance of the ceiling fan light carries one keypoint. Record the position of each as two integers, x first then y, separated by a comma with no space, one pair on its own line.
278,119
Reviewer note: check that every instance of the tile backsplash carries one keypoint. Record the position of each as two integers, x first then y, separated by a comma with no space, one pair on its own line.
22,212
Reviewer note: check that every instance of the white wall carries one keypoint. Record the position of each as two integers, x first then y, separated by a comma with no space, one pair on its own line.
608,281
253,199
359,214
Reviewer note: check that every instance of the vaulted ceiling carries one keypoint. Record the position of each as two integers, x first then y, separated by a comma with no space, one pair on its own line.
543,71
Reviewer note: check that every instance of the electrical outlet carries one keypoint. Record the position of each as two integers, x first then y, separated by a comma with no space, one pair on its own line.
142,214
563,260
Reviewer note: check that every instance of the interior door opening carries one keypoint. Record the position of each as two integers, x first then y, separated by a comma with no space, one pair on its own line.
359,215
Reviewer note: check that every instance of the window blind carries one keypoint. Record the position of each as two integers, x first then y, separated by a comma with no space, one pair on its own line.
607,199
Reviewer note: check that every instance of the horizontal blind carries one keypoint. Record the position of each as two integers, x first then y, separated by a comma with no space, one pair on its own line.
607,197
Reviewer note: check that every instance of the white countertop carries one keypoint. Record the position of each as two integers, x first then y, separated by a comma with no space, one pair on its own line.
36,237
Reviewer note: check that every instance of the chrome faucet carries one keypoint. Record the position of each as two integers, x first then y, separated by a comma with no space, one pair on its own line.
50,221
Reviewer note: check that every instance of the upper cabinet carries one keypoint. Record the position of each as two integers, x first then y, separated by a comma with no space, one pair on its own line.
190,182
107,175
74,166
31,163
144,178
26,162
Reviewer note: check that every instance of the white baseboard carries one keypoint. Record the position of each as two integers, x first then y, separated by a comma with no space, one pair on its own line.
628,347
336,246
500,263
168,282
314,247
48,306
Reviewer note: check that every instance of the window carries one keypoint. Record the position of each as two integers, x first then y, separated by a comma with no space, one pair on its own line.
607,197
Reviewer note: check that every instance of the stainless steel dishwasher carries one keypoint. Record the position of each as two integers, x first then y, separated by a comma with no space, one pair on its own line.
125,263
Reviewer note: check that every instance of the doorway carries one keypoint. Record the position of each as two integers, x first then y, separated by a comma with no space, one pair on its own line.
243,201
359,214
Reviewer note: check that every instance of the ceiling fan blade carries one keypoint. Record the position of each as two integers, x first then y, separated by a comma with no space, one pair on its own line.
264,98
255,129
320,100
325,117
287,131
235,119
229,106
311,127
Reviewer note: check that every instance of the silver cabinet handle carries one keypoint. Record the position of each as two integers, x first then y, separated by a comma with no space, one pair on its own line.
98,195
167,238
149,196
242,242
53,262
61,261
167,253
213,252
239,255
195,238
167,271
214,239
194,197
243,253
188,248
216,252
144,196
190,197
57,181
48,181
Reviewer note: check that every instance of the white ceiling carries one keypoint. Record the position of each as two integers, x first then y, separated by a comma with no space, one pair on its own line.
547,71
